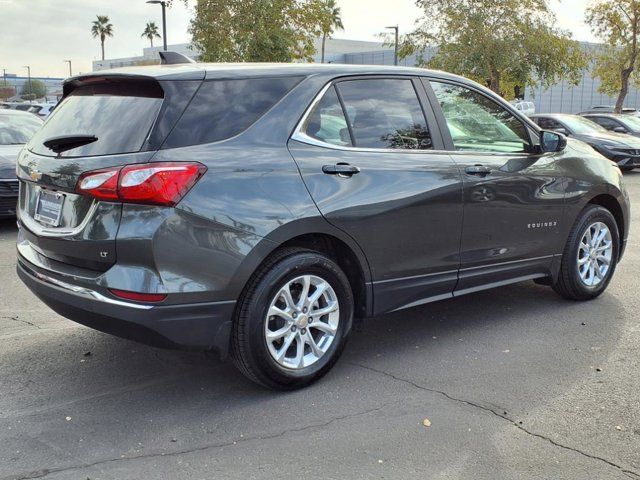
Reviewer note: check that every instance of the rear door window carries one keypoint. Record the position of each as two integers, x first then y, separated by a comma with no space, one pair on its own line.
222,109
327,122
119,114
385,113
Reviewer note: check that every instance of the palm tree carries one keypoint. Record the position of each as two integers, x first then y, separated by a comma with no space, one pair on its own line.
333,22
151,32
102,28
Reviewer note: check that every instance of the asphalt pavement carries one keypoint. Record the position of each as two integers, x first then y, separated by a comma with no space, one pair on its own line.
513,383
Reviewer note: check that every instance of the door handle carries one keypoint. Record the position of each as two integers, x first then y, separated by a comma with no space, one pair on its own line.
342,169
479,170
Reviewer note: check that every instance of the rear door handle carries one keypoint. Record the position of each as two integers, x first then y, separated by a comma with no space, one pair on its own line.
342,169
479,170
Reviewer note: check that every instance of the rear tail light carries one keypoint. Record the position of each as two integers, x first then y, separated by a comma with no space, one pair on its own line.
138,297
163,183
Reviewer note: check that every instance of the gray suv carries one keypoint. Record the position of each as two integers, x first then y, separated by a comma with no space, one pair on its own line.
257,210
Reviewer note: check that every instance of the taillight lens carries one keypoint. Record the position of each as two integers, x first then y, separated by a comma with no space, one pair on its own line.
163,183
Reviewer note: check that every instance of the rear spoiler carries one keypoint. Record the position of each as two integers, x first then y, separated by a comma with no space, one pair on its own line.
174,58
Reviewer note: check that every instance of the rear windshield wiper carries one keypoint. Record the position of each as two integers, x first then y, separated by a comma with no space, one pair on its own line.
67,142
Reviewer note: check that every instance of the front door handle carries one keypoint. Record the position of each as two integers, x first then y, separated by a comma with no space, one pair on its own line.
342,169
479,170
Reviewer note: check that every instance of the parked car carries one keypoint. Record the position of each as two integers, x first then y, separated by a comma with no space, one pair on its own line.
256,210
43,110
16,128
611,109
527,108
618,147
629,124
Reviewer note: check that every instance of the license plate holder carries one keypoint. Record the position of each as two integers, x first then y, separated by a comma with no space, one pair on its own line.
49,208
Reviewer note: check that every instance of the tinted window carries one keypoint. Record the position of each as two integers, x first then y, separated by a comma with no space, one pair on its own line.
119,114
327,122
607,123
17,129
224,108
548,123
385,113
478,123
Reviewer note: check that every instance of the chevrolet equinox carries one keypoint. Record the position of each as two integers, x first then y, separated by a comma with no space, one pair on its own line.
256,210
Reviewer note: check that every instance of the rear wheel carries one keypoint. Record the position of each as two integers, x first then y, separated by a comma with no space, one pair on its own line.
590,255
293,319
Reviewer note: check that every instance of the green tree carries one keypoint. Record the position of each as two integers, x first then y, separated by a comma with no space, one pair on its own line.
257,30
332,21
151,32
496,42
33,90
617,23
101,28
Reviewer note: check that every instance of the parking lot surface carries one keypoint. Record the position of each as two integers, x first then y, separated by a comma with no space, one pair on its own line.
507,383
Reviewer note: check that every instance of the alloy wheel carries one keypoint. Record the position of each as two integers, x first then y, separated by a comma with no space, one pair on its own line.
302,321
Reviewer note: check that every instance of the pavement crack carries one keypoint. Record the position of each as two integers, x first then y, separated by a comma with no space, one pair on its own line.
44,472
15,318
627,472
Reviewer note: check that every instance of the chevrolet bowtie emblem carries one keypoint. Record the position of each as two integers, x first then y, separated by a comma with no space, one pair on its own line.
35,175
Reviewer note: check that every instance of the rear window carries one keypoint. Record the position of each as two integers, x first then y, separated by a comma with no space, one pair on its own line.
224,108
119,113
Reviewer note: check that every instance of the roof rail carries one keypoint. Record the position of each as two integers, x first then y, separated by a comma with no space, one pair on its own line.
174,58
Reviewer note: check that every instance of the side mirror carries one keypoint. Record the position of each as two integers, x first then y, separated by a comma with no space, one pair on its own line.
620,130
552,141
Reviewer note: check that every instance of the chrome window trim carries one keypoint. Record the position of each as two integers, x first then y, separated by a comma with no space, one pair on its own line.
300,136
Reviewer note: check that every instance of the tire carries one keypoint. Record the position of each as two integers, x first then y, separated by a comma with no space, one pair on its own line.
289,269
570,284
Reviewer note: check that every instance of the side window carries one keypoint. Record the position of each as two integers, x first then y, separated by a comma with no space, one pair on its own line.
548,123
607,123
385,113
478,123
327,122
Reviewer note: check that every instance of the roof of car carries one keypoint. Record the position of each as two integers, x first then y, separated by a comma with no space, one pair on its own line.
553,115
195,71
604,114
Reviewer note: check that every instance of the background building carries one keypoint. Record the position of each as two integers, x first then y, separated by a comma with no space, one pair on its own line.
560,97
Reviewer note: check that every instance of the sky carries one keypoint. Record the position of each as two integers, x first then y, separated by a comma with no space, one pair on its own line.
44,33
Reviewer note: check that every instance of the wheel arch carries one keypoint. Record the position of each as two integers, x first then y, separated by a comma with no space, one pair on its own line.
610,202
314,234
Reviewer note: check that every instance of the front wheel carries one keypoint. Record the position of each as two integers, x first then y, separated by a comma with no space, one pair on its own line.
590,255
293,319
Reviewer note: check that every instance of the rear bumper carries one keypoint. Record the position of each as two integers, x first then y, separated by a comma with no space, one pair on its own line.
204,326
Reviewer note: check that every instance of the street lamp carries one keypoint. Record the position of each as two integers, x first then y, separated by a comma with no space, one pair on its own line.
69,62
163,4
30,89
395,47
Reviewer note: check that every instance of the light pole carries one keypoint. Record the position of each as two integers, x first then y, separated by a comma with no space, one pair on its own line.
395,46
69,62
163,4
4,76
30,89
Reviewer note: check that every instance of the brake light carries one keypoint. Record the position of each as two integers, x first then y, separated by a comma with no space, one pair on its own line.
163,183
139,297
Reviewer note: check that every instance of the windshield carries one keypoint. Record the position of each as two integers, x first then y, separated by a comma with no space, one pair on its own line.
17,129
631,122
582,125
